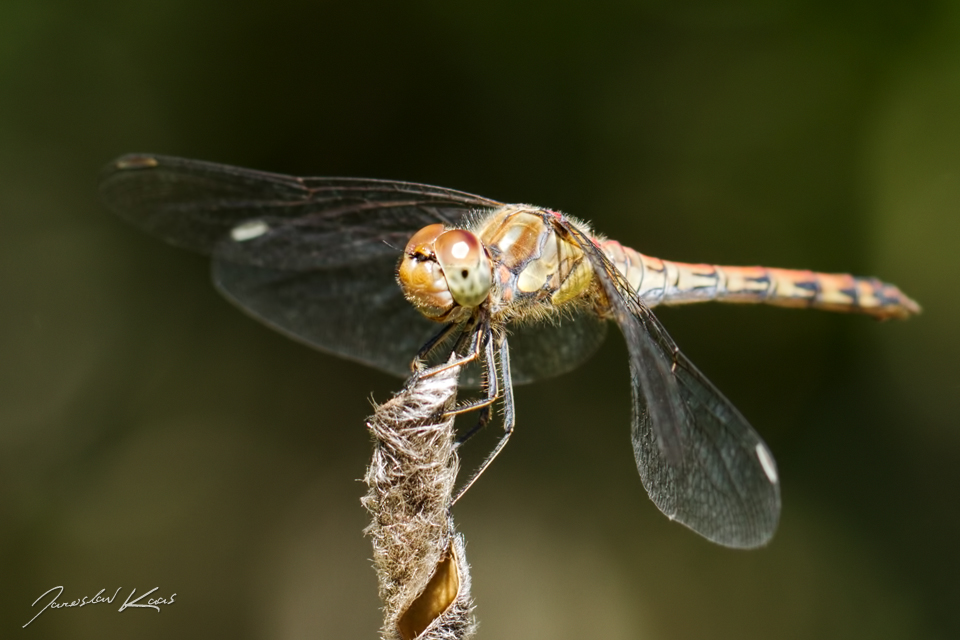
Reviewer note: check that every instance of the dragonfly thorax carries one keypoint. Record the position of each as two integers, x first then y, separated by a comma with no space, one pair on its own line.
443,271
538,268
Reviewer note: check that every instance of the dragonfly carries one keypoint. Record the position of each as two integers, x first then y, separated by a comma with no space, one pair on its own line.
523,292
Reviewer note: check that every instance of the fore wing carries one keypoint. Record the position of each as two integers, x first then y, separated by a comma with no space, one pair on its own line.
315,258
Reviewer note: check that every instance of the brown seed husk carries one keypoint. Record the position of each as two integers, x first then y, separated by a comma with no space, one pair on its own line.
421,566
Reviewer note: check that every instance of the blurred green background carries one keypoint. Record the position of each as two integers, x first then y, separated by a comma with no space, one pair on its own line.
152,435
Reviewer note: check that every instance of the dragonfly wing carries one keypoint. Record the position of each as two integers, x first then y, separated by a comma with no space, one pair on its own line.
314,258
699,459
352,311
319,307
283,221
191,203
547,349
724,485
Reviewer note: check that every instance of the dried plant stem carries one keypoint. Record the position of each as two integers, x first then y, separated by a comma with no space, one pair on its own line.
419,558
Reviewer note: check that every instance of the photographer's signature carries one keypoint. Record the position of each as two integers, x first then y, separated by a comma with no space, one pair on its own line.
131,602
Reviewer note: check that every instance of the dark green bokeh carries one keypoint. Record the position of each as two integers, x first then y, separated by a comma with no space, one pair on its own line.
151,435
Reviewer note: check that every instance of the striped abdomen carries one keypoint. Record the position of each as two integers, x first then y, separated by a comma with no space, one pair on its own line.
663,282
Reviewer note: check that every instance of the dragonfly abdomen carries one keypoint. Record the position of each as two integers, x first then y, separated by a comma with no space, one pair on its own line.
665,282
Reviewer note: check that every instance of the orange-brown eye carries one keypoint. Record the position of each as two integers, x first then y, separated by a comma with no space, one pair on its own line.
422,241
465,266
421,277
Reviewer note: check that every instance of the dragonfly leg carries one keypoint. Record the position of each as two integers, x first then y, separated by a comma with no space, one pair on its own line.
417,363
482,421
479,331
509,419
491,387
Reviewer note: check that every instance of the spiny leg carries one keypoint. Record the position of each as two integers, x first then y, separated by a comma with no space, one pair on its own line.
430,346
509,418
477,327
490,385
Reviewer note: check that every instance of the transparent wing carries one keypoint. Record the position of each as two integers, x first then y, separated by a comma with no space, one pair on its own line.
304,222
314,307
315,258
547,349
700,460
351,311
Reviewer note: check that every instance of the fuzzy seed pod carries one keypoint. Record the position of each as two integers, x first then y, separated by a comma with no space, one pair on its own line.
419,558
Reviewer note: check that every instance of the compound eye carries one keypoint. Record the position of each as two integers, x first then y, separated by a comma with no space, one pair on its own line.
465,266
422,241
421,276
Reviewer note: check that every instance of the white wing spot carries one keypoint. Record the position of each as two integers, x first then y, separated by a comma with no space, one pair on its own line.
249,230
766,461
460,250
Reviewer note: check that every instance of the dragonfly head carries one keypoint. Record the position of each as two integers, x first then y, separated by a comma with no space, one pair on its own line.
442,271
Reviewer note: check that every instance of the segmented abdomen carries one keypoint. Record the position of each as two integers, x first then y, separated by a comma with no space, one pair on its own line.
664,282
